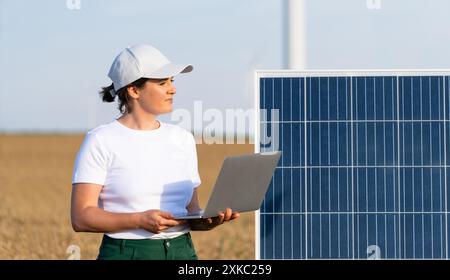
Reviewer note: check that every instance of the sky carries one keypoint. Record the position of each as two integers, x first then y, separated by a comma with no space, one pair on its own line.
54,57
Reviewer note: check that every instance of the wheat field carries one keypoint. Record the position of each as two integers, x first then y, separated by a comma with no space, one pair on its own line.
35,186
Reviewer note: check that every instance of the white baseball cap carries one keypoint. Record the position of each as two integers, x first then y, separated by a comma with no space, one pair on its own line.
142,61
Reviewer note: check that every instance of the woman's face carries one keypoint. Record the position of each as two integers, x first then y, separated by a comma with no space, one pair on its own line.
156,97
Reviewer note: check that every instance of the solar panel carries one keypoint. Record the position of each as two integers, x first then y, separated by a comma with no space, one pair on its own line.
364,171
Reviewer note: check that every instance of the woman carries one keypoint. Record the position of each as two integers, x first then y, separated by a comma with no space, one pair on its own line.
133,175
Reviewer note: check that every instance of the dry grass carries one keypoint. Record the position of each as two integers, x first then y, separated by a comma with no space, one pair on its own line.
35,174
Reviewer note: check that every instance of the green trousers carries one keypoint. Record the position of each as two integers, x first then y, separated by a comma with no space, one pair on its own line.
178,248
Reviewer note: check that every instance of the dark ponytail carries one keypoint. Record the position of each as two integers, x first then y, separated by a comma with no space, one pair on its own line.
122,94
105,93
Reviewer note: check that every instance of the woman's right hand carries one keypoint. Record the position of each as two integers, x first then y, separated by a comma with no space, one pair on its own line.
156,221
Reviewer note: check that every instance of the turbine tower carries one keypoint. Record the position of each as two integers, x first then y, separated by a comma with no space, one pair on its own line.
295,15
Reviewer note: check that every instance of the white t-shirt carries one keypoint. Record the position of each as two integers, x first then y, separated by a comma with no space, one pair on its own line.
140,170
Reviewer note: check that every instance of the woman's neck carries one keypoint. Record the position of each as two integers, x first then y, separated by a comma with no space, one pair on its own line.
135,121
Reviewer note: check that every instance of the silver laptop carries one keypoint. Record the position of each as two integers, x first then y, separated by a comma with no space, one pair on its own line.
241,185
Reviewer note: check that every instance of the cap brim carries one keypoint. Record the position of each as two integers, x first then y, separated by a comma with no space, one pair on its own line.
168,71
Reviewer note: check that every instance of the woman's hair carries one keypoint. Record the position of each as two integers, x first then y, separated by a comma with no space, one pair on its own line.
122,94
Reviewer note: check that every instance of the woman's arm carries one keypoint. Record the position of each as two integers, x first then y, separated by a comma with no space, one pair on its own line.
209,223
86,216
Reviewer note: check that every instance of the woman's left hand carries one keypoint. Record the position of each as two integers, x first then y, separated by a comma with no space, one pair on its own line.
210,223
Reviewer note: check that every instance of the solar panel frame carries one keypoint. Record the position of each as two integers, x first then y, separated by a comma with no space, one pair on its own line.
395,74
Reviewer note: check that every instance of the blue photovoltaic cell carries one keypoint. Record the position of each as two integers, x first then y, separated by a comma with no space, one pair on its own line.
363,172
